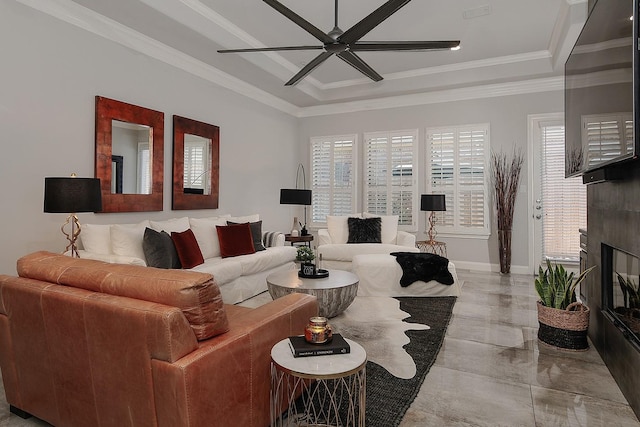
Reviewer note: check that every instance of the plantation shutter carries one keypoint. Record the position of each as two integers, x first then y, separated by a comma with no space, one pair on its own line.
457,161
332,177
564,200
390,187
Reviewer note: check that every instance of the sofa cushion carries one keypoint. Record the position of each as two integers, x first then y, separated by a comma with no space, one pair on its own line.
205,231
364,230
338,228
235,240
389,231
126,239
174,224
96,238
245,218
159,250
256,234
187,248
346,252
267,259
195,294
224,270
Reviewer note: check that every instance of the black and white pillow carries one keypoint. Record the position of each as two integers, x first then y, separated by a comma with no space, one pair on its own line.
367,230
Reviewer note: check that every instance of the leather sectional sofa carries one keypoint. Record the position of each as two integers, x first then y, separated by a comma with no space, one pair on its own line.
88,343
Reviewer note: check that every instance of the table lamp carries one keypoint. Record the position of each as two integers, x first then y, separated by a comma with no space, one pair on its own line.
434,203
295,196
72,195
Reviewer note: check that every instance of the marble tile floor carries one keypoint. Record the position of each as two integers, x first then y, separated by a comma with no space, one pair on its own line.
491,371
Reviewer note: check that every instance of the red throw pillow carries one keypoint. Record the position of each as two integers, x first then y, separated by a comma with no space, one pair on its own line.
187,248
235,240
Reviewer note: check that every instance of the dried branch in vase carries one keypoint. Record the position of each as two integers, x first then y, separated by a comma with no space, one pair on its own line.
506,176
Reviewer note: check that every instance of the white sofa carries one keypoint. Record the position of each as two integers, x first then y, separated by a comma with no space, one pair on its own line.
338,254
239,277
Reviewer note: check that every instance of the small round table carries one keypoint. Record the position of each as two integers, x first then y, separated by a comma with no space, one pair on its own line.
335,293
337,396
434,247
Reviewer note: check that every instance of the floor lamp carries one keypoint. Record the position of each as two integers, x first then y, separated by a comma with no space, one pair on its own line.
72,195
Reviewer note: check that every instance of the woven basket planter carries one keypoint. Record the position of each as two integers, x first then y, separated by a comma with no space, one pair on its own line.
565,329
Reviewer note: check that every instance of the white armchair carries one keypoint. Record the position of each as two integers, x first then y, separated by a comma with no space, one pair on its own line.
337,253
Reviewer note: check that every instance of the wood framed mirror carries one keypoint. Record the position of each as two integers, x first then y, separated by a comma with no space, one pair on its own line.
196,164
129,156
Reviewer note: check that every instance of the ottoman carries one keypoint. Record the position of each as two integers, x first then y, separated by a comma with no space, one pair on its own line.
380,275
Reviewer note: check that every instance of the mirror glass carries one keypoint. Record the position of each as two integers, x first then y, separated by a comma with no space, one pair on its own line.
197,164
129,156
131,144
196,161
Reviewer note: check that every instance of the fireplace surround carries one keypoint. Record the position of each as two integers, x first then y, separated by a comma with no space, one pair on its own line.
613,226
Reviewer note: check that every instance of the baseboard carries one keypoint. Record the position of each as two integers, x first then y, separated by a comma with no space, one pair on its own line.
481,266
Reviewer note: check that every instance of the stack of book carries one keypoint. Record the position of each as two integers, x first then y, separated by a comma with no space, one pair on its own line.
301,348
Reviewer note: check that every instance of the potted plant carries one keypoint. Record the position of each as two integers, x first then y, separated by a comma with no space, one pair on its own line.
563,320
306,255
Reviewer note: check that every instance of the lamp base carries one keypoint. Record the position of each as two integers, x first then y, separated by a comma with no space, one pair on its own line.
73,236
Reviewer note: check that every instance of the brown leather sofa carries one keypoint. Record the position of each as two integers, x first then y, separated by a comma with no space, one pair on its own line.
85,343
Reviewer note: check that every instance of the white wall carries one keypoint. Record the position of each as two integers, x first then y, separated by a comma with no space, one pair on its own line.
49,77
507,117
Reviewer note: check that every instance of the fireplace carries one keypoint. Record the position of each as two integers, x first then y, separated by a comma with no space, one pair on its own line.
621,292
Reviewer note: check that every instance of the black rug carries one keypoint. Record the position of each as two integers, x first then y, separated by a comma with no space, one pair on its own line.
389,397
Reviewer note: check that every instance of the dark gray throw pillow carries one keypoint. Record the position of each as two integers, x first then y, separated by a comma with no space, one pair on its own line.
367,230
159,250
256,234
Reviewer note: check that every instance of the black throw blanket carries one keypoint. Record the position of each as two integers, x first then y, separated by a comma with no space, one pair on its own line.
423,266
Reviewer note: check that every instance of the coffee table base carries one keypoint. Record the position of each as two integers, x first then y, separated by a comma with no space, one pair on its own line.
331,302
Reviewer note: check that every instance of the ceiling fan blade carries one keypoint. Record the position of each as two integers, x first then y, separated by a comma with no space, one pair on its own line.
300,21
356,62
309,68
270,49
404,45
367,24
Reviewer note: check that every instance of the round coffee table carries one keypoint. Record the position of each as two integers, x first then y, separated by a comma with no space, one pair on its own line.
335,293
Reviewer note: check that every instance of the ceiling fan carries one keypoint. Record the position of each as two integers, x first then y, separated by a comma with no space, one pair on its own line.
345,44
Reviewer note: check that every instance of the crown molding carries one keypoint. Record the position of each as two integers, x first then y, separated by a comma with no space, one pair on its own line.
79,16
95,23
461,94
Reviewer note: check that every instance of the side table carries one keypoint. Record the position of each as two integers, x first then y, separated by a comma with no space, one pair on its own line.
337,396
434,247
305,240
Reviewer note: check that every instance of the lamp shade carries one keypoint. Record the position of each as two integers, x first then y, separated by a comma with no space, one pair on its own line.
290,196
432,202
72,195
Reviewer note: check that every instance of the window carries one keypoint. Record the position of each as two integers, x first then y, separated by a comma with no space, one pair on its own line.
565,200
390,160
332,177
457,164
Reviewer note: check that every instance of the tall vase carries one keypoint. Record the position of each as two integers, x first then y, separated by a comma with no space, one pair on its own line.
504,249
295,227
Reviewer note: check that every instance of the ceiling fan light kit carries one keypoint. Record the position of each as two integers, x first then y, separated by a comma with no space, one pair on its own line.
345,44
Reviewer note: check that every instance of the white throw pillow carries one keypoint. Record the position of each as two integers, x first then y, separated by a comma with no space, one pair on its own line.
338,227
96,238
246,218
126,239
175,224
206,235
389,232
